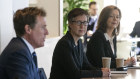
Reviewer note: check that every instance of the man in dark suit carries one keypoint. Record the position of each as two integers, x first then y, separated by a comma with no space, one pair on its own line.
18,60
136,32
93,9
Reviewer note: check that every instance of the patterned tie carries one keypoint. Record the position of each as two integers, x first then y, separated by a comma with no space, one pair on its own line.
35,59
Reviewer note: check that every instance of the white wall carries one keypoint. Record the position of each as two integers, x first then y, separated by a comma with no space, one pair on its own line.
101,5
7,8
109,2
45,54
5,22
19,4
130,14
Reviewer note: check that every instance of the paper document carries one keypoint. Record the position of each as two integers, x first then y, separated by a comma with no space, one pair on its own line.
118,72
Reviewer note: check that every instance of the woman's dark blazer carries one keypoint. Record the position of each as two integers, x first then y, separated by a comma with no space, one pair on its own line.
99,47
70,63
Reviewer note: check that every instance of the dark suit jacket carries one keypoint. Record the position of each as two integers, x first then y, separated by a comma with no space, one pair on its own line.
70,63
90,26
136,31
16,61
99,47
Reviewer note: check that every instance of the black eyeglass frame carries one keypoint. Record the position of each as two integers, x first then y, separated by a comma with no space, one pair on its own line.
85,23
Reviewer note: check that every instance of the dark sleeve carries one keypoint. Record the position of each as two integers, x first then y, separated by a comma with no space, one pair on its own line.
69,65
88,28
133,33
87,65
95,51
18,66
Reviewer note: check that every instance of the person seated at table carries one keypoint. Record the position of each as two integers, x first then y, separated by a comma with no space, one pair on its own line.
93,18
69,61
103,41
18,60
136,32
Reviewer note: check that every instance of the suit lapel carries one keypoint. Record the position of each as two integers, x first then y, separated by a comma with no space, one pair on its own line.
32,67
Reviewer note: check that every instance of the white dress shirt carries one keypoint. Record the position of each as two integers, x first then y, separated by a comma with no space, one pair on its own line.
31,49
110,41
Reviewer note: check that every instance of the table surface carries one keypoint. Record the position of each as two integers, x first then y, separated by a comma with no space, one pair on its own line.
131,74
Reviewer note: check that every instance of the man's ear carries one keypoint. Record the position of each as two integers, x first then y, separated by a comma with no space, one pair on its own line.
27,29
69,25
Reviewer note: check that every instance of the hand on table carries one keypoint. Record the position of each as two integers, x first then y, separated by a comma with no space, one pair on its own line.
106,72
130,61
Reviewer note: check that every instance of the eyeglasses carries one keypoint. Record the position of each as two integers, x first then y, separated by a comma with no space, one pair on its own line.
117,17
85,23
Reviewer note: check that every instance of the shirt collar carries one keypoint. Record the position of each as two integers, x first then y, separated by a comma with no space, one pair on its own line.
94,17
31,49
108,37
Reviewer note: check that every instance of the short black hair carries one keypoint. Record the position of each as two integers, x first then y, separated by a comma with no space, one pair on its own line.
76,12
91,3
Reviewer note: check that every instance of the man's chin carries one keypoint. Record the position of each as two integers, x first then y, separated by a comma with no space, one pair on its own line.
40,45
81,35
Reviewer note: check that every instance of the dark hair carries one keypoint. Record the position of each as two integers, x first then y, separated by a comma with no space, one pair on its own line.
92,3
104,15
26,16
76,12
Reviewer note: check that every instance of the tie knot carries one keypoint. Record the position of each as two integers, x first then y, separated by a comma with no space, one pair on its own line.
34,54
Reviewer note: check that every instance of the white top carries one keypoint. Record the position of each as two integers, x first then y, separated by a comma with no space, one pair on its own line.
110,41
94,17
31,49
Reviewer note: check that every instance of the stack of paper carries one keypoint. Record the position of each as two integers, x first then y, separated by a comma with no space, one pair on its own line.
118,72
